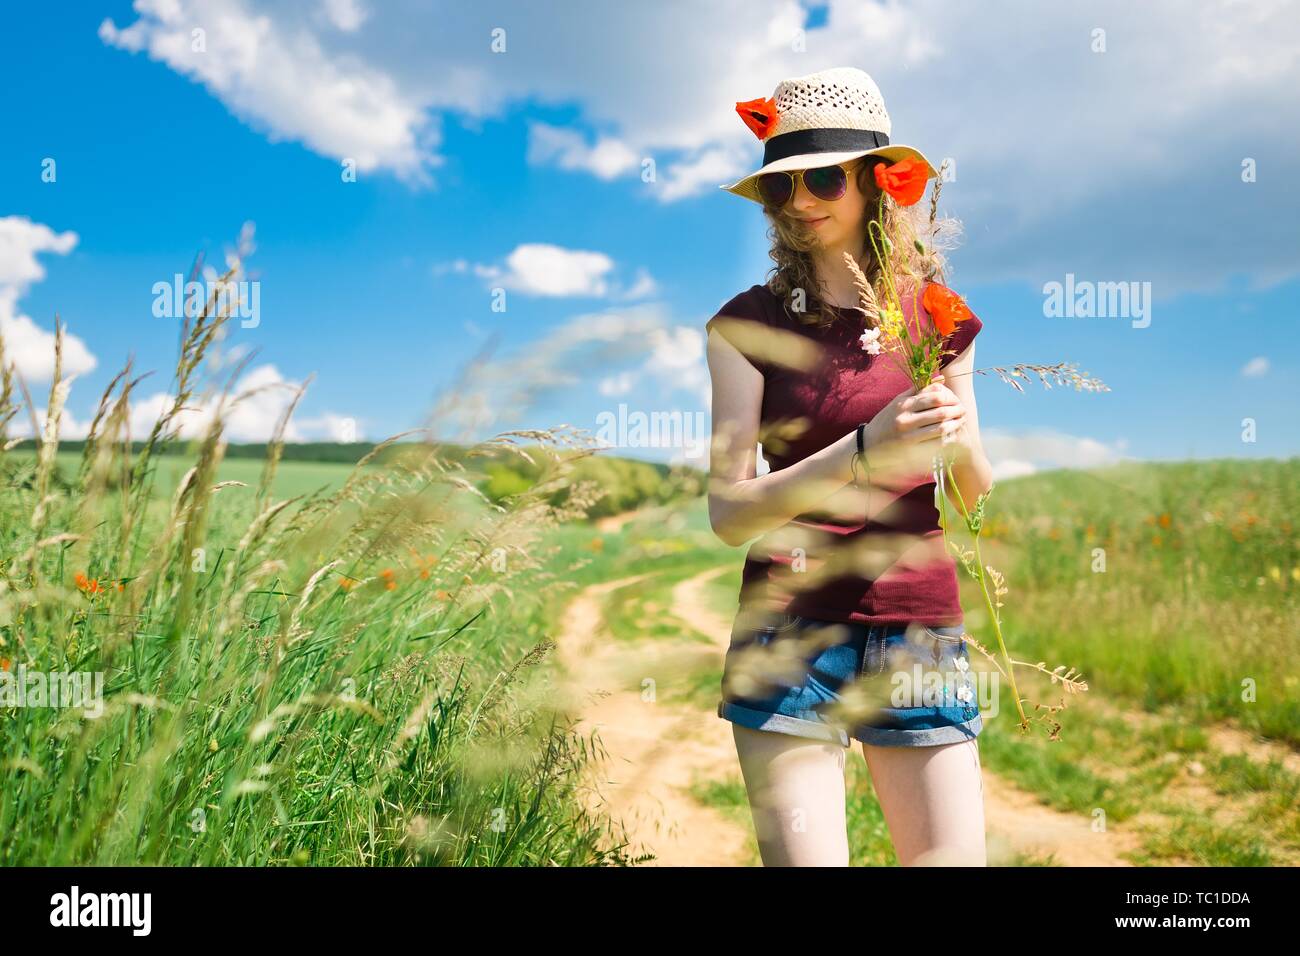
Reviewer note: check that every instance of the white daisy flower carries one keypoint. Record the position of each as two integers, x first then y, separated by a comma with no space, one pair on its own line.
871,341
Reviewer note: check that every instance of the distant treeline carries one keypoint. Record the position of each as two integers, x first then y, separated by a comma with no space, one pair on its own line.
624,483
346,453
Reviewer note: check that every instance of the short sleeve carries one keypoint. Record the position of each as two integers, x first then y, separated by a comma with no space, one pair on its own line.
961,337
740,321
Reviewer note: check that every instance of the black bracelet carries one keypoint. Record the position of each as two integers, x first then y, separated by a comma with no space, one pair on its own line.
861,454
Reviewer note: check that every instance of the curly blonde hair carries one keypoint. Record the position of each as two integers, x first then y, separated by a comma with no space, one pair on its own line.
918,242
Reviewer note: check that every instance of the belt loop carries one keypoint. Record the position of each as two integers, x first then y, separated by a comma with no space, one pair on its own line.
876,640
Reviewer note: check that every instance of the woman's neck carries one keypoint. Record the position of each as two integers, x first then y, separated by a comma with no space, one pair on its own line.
834,274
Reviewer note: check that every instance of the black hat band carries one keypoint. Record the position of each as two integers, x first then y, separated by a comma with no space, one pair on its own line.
821,140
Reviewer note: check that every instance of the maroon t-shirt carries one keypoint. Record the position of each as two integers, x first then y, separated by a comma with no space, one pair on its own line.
816,389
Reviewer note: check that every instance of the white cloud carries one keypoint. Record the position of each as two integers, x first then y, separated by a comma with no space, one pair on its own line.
346,15
459,266
251,420
538,268
272,70
700,174
330,427
1043,130
31,348
620,384
607,158
27,345
676,348
1256,367
642,285
1005,468
542,269
1024,452
677,361
20,241
511,388
70,427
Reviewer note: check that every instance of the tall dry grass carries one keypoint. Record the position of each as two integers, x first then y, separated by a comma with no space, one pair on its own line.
346,677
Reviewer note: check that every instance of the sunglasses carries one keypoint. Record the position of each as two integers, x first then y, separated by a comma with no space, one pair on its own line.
827,183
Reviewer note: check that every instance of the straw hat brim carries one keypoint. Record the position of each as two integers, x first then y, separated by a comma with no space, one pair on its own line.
747,187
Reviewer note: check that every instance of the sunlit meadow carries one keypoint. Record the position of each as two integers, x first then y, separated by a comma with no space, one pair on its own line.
344,667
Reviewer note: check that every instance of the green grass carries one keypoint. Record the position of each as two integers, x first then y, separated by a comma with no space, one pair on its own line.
1200,589
347,670
293,478
251,721
1197,842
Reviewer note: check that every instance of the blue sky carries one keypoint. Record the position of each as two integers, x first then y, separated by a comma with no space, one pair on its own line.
522,169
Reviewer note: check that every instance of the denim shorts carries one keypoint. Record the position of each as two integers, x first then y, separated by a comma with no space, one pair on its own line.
888,685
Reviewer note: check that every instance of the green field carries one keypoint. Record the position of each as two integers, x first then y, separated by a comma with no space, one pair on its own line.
360,676
293,478
332,681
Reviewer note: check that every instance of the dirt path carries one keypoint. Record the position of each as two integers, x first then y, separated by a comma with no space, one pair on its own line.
611,524
657,751
654,751
1016,822
1194,786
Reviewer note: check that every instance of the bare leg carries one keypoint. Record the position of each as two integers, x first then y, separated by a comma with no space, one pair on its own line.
796,795
933,801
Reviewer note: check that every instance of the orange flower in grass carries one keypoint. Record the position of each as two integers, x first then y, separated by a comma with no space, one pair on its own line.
946,307
390,578
423,563
85,585
904,180
759,115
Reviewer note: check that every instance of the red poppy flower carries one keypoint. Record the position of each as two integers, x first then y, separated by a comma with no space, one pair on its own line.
759,115
87,585
946,307
903,180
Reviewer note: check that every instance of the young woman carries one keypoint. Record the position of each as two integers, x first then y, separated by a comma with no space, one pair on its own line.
847,595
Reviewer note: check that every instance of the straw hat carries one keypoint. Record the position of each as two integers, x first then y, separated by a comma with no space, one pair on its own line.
820,119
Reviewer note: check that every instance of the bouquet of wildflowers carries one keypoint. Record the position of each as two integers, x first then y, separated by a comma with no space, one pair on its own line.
919,349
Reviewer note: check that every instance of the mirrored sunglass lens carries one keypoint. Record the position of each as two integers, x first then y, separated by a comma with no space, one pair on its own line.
774,188
826,182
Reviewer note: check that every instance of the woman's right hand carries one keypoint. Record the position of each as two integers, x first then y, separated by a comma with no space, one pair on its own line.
906,434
